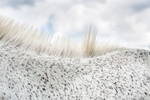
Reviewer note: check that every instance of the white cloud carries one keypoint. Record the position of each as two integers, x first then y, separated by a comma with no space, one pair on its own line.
122,21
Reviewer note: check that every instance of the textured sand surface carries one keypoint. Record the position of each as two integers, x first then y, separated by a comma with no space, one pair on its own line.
119,75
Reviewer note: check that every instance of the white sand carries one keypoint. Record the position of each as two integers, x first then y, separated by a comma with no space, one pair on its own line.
119,75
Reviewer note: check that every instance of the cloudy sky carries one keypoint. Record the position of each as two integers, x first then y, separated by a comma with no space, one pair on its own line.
123,22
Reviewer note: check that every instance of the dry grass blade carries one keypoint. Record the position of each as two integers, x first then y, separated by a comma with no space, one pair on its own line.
89,42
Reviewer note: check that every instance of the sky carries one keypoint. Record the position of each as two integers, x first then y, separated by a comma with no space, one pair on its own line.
121,22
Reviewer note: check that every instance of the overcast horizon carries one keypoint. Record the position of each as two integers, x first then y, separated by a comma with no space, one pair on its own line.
122,22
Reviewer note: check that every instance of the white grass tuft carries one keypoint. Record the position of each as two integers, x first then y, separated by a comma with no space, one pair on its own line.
92,46
29,38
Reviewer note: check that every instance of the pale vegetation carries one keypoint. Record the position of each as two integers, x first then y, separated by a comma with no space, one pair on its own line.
29,38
